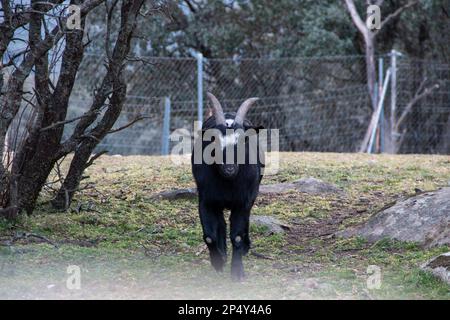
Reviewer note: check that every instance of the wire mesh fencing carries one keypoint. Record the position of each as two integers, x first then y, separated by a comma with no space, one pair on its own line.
426,126
318,104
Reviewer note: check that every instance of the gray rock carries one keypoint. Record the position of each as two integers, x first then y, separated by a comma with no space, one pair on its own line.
188,193
273,224
439,266
315,186
307,185
423,219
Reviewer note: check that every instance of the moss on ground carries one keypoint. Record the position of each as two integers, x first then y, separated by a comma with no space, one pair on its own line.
133,246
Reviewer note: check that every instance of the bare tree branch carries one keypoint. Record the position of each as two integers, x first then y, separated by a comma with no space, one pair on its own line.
64,122
359,23
109,16
397,12
95,157
16,20
113,83
139,118
420,94
6,10
12,96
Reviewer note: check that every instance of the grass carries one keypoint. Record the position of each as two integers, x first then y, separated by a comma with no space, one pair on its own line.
130,245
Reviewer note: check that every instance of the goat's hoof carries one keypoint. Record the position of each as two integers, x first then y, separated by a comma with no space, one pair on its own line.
219,269
238,276
218,265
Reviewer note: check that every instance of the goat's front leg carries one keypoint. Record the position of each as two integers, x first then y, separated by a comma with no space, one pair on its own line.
239,234
214,234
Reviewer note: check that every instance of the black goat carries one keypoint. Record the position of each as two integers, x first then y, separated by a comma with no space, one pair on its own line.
228,184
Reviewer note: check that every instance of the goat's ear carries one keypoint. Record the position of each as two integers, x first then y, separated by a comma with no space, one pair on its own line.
209,113
256,128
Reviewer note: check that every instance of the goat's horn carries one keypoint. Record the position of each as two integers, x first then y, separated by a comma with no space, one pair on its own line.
243,109
217,109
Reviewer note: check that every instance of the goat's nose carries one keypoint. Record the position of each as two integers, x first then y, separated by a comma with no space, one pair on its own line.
229,169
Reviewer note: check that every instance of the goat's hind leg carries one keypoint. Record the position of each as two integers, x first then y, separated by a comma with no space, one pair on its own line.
214,235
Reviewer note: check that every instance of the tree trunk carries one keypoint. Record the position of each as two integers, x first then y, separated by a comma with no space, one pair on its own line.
73,178
32,179
37,153
115,79
371,67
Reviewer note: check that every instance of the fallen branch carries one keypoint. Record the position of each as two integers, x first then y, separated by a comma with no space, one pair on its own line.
260,256
26,235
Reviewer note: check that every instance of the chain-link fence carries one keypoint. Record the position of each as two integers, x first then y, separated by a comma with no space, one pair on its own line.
318,104
426,128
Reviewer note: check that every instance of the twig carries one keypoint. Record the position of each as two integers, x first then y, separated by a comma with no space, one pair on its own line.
95,157
261,256
128,124
397,13
60,123
414,100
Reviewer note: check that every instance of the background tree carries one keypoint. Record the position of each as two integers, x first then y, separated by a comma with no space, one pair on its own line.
39,77
393,137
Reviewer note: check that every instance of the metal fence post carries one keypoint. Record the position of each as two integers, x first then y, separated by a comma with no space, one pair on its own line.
394,54
166,128
200,87
380,82
376,116
376,94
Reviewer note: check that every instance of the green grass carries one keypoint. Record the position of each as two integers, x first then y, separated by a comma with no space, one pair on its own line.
130,245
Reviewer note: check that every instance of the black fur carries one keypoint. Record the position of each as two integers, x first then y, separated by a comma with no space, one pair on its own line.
237,194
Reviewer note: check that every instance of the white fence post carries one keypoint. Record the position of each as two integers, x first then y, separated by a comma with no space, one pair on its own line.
200,87
376,115
380,83
166,128
393,120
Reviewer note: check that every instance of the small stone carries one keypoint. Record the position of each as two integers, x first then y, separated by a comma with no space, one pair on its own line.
439,266
311,283
273,225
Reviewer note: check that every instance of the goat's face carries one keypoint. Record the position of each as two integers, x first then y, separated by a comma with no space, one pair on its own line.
229,139
232,138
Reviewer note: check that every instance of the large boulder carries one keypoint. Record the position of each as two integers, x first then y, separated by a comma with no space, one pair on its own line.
423,219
